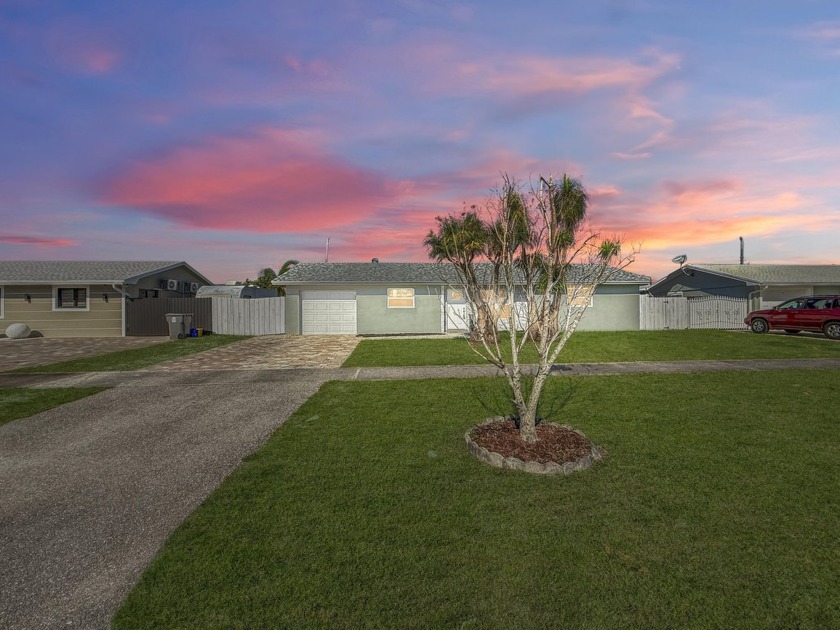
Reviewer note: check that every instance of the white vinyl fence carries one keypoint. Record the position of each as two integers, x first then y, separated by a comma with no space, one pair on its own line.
260,316
677,313
667,313
717,312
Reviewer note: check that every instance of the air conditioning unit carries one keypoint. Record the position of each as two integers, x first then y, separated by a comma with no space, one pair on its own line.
193,287
171,285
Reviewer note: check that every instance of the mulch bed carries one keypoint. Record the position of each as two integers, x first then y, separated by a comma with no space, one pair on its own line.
554,443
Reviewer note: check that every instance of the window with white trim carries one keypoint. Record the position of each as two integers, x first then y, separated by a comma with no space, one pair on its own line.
71,298
400,298
579,296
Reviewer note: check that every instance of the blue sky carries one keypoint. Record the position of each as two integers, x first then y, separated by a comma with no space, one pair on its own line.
238,135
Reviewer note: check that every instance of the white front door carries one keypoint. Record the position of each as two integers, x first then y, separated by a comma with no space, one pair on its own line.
328,312
457,317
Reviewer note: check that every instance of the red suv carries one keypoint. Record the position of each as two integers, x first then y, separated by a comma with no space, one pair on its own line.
813,312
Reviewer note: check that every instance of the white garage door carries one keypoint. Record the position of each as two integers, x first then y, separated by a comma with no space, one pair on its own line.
329,312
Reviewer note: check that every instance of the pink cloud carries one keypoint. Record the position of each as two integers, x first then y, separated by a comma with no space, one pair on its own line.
83,47
38,241
681,214
272,180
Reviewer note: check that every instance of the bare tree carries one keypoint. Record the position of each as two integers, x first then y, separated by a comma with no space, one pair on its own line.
528,266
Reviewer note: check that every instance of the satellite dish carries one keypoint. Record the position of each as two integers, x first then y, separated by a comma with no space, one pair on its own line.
680,260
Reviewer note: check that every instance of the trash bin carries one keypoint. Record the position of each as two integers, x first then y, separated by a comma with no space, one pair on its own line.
179,324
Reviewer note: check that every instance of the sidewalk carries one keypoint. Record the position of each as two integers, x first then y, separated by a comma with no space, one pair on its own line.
205,376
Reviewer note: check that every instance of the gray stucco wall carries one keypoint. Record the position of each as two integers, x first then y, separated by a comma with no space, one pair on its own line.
373,316
615,307
611,311
292,311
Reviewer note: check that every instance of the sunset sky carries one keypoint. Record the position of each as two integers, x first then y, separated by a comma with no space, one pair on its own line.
236,135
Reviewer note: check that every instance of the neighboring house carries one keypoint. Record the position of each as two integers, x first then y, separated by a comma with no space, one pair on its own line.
763,285
86,298
235,291
416,298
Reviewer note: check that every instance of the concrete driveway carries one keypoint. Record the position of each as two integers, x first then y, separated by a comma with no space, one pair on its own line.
91,490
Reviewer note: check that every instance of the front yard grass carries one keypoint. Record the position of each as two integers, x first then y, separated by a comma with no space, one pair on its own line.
21,402
137,358
602,347
715,508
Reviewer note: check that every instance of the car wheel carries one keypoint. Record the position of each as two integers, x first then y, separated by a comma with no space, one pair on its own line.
832,330
759,326
792,332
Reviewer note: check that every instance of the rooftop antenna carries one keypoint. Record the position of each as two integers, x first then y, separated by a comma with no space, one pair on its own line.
680,260
327,259
741,238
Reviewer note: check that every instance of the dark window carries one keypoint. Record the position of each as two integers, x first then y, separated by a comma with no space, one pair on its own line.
71,298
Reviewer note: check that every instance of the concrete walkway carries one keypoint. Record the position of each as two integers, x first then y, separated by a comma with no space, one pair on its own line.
91,490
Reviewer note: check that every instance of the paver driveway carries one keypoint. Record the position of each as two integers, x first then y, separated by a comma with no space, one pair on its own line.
272,352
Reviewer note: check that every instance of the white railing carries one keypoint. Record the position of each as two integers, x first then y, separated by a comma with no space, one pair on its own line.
717,312
677,313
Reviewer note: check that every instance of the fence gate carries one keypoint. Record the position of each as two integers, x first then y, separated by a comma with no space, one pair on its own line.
663,313
146,317
717,312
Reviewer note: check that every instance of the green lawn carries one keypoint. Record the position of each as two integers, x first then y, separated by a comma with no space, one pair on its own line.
21,402
715,508
600,347
137,358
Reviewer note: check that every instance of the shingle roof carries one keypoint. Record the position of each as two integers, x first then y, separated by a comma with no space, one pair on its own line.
83,271
779,274
408,273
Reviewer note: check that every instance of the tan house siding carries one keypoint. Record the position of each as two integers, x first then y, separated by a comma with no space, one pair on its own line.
103,319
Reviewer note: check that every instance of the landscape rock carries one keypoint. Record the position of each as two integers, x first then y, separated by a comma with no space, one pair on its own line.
18,331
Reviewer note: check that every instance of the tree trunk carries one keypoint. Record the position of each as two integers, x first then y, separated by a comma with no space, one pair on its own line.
528,425
528,418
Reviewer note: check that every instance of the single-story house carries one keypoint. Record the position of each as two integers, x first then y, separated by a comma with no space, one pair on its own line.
86,298
763,285
416,298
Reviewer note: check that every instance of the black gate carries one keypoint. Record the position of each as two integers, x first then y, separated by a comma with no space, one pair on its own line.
146,317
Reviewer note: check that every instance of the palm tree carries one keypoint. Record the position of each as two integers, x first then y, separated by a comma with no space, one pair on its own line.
283,269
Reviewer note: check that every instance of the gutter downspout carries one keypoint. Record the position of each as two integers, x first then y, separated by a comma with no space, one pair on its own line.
125,297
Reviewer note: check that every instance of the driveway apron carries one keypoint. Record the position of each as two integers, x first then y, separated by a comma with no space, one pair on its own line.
89,491
271,352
